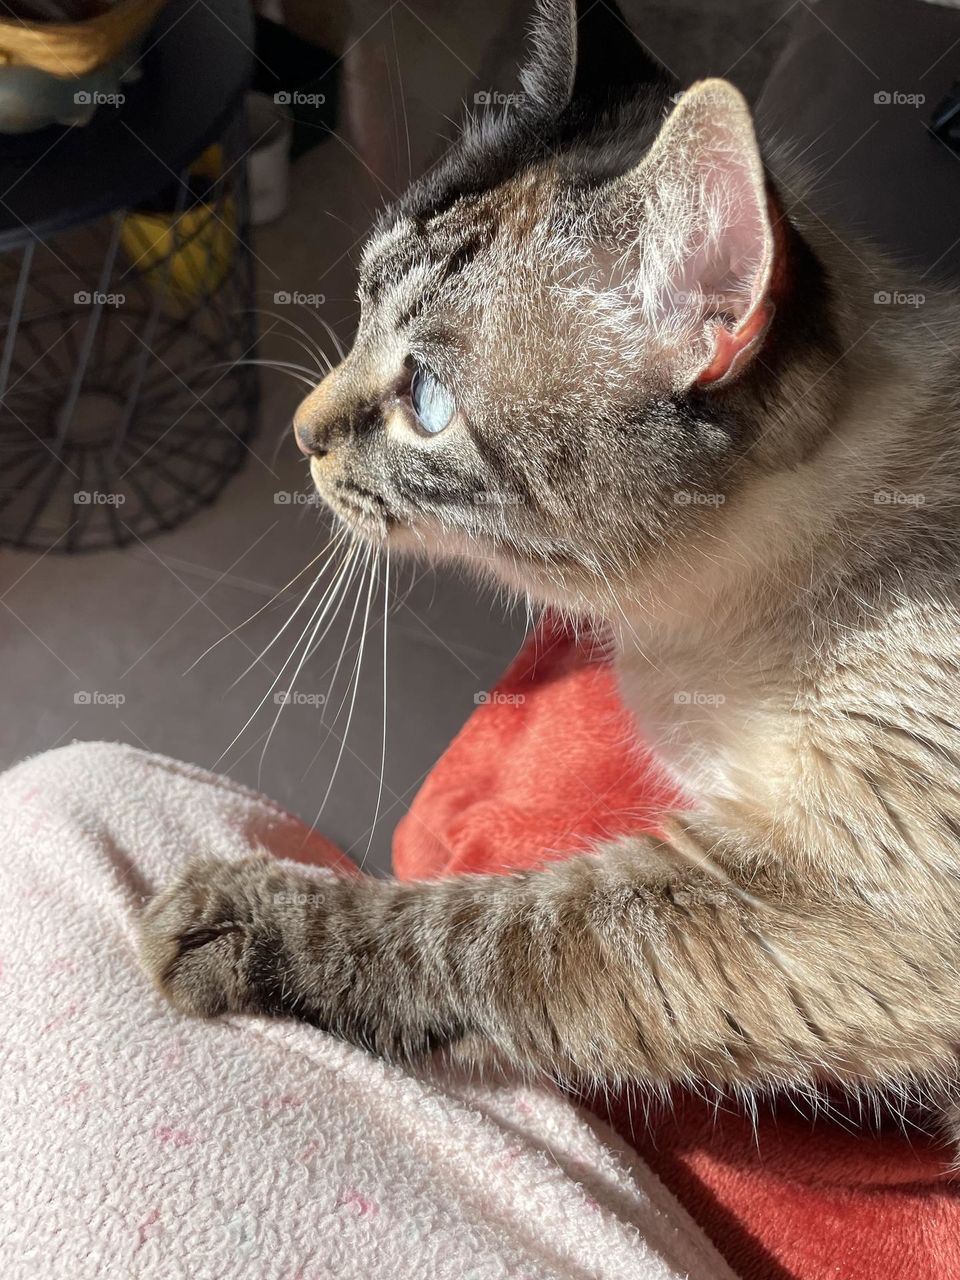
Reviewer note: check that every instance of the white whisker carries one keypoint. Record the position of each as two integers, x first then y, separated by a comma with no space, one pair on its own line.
337,344
343,650
333,548
312,347
343,595
338,589
333,679
233,630
321,606
316,351
353,698
383,743
302,374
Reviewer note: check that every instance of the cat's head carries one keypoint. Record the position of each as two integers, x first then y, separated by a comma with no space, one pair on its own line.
578,332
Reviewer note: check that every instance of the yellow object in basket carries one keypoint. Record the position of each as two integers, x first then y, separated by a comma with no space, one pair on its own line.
184,255
65,49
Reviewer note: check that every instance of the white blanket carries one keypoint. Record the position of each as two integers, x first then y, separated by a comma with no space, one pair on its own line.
137,1143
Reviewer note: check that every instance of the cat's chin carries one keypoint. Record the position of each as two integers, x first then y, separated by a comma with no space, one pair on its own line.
369,523
364,527
524,578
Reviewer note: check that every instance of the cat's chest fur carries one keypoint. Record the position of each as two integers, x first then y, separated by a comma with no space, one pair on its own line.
721,726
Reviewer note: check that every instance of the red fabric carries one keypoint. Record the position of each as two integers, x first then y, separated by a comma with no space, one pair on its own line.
542,769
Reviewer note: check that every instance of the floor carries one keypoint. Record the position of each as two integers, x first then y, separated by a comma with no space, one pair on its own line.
118,645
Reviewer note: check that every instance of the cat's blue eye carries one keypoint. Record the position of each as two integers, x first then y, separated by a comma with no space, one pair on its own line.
432,402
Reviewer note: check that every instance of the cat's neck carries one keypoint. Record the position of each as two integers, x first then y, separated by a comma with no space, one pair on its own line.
848,508
715,649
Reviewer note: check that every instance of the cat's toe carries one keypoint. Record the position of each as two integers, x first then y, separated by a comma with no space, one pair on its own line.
209,936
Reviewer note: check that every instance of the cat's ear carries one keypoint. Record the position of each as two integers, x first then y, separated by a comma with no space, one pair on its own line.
706,235
548,74
583,53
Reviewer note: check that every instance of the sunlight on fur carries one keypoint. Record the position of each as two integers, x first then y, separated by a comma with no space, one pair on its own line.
677,413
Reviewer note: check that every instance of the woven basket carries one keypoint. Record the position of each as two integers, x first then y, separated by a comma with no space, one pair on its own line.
75,48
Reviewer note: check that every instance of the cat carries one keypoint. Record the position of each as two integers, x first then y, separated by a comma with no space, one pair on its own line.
604,357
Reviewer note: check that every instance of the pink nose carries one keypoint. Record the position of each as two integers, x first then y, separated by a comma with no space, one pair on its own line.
303,444
311,420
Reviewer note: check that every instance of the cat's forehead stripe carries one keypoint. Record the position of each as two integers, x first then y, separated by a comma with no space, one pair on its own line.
410,256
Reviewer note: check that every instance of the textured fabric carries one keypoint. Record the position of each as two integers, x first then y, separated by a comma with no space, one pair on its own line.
545,766
135,1142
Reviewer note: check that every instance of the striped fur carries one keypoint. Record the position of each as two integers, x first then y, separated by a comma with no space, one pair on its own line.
776,560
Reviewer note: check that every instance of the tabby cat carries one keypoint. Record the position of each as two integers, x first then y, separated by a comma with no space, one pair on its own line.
602,357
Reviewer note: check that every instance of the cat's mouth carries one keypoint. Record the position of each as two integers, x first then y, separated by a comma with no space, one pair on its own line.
360,508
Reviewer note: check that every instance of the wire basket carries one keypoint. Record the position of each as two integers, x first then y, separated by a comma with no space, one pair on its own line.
121,410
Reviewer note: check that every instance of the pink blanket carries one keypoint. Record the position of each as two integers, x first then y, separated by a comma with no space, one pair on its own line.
137,1143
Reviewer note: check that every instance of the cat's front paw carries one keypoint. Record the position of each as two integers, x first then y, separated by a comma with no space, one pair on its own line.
212,940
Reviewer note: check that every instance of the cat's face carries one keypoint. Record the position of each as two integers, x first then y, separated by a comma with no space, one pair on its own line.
555,330
495,404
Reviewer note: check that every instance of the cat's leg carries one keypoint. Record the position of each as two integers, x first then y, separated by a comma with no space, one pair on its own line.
636,962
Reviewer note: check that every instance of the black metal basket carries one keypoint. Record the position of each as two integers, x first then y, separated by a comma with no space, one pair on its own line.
120,410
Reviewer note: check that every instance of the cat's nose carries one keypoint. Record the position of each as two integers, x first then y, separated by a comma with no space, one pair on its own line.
341,408
305,443
313,422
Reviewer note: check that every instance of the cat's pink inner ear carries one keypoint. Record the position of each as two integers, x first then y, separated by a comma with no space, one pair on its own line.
721,245
737,276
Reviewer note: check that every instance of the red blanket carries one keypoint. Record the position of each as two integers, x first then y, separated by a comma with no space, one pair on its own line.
541,769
